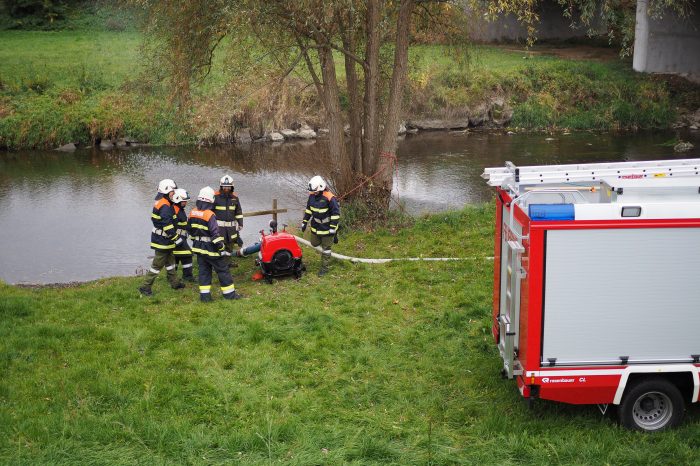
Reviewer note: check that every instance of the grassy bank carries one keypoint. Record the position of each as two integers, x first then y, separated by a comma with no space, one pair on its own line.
373,364
548,91
83,84
76,86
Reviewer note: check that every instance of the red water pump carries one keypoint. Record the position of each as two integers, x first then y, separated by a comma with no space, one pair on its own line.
280,254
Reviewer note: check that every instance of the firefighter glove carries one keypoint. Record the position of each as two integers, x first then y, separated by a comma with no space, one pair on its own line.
302,227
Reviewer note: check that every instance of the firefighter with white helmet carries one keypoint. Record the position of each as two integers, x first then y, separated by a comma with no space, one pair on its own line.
323,215
164,238
182,252
229,214
208,245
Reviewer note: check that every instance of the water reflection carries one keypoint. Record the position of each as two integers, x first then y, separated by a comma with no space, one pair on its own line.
85,215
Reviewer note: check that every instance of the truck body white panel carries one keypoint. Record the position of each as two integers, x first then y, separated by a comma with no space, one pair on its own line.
629,292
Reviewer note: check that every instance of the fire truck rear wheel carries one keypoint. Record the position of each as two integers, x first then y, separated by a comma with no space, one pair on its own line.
651,405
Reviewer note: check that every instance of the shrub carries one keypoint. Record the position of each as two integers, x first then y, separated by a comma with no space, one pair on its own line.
35,13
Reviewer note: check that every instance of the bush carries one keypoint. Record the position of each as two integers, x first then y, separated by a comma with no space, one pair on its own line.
33,13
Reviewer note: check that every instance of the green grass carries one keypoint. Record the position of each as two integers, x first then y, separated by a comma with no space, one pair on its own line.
83,84
78,86
547,91
63,56
372,364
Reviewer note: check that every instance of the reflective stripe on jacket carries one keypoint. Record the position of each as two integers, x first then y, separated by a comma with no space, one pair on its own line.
323,212
183,249
164,232
228,212
205,234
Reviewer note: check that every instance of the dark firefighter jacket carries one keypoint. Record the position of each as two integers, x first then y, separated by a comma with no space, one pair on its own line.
183,249
228,213
323,210
204,231
164,233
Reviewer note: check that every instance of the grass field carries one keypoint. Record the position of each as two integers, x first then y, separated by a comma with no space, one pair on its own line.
381,364
81,84
548,91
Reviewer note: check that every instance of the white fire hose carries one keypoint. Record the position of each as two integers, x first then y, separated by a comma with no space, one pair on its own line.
383,261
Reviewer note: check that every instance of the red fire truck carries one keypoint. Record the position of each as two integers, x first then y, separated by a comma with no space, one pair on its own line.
597,285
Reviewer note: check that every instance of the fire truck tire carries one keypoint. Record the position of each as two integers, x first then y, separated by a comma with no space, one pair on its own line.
650,405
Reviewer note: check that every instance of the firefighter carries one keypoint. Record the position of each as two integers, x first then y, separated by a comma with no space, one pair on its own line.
164,238
228,211
208,245
323,212
183,253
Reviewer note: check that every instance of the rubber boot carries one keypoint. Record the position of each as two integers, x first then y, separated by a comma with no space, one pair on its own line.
234,295
175,283
146,288
205,297
187,275
325,258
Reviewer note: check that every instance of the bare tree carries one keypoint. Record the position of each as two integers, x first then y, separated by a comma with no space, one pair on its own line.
312,33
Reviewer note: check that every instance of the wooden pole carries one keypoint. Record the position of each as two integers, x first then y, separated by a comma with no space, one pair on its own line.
273,212
255,213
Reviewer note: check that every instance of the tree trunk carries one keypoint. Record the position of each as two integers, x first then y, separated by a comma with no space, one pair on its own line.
371,104
354,110
398,81
342,168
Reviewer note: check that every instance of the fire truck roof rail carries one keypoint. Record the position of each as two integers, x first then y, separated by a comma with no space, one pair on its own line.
589,172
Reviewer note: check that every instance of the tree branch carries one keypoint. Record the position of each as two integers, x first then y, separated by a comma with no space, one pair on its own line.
310,66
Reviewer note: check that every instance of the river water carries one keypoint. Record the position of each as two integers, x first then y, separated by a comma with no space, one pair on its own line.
85,215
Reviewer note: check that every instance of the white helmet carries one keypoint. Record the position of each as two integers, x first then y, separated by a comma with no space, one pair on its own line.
317,184
206,194
226,180
180,196
165,186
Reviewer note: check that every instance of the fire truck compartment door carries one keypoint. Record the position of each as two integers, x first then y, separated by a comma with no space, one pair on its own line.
627,292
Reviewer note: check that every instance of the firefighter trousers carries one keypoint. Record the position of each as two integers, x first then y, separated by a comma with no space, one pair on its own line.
231,247
161,259
326,242
185,262
207,265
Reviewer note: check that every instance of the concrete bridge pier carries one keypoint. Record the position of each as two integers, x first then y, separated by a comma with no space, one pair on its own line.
668,44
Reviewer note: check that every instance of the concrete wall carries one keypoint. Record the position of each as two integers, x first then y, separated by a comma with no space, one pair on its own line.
552,25
668,44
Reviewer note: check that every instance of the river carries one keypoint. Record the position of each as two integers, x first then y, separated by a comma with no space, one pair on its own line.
85,215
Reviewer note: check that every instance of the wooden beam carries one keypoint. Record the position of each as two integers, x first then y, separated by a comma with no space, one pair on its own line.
272,212
264,212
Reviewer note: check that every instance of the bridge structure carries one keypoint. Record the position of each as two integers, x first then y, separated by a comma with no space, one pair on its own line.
668,44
